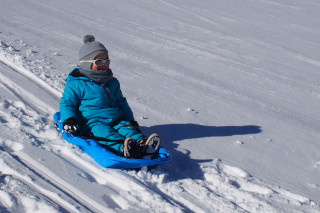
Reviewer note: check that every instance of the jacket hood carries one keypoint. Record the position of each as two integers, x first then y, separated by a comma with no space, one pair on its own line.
75,74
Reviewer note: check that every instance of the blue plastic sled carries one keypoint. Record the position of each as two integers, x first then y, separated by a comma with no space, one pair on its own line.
106,158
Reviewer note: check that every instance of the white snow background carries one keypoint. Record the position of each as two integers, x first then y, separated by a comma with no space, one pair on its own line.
231,86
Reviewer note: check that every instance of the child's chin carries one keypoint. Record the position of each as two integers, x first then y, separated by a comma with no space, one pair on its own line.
103,68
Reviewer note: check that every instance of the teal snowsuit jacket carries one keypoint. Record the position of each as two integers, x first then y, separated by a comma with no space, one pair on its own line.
99,108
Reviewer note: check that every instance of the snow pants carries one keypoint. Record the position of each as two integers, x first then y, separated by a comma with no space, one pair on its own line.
120,131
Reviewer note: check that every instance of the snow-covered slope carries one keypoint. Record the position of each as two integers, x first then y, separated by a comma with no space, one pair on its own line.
232,87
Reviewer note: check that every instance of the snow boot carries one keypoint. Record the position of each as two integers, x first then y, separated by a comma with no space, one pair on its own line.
152,146
132,149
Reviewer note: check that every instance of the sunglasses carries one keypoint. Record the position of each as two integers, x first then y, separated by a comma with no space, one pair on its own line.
99,62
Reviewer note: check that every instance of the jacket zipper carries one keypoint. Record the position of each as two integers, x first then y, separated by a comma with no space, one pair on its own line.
102,85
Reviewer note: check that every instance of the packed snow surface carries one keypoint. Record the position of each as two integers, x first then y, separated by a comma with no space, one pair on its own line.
232,87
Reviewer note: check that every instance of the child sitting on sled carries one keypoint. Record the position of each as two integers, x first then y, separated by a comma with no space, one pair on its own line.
92,104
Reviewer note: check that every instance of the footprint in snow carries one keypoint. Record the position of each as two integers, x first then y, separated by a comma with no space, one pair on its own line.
191,110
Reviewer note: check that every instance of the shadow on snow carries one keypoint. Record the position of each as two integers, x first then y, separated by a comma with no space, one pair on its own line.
182,165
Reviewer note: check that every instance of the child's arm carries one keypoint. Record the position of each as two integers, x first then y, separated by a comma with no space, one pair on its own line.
70,101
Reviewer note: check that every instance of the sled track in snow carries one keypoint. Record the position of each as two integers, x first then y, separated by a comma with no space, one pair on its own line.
27,74
61,185
29,88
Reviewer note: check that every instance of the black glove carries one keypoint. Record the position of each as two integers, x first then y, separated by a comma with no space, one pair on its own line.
135,125
70,126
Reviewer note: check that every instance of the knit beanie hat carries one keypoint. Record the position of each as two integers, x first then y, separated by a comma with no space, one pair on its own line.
89,50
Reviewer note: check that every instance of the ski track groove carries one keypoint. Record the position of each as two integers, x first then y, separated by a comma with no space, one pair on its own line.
47,194
26,96
56,204
29,75
46,174
4,82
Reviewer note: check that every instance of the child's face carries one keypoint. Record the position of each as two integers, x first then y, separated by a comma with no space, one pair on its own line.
103,66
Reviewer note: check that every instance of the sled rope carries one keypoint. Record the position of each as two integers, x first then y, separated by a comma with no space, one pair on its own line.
101,139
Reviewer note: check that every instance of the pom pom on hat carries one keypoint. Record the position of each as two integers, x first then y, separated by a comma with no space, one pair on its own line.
88,38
